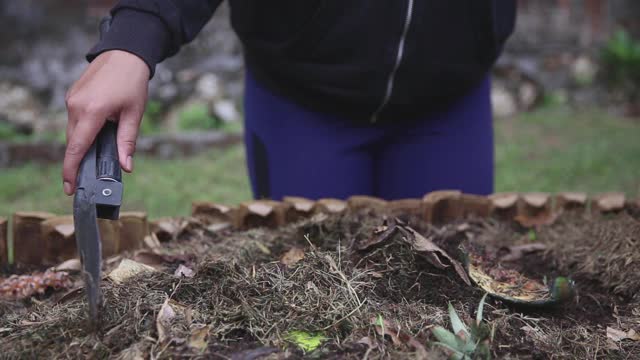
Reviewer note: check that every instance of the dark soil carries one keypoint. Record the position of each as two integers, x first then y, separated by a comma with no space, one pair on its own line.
250,301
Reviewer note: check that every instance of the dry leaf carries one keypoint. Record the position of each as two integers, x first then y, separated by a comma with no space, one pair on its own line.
380,235
70,265
152,241
198,337
516,252
292,257
398,337
619,335
434,254
127,269
168,311
183,271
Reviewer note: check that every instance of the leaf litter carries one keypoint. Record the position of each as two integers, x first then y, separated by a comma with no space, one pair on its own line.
365,288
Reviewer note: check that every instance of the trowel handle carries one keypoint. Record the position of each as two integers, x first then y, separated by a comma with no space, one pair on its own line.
108,166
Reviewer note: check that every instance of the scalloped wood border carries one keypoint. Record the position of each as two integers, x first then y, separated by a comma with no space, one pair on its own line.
43,238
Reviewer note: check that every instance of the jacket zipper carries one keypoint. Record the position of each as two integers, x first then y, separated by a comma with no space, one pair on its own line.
399,55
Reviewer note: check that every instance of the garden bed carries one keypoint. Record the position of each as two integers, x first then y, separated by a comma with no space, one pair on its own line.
345,285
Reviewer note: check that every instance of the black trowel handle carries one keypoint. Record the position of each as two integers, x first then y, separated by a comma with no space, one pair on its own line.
108,166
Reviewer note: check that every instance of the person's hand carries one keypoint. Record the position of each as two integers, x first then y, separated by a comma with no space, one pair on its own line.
113,86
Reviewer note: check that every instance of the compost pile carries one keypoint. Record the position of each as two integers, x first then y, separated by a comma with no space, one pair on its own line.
356,285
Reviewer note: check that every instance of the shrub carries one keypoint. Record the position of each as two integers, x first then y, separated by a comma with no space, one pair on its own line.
621,61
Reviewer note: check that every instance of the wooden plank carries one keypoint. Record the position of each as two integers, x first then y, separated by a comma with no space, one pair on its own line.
134,226
59,238
442,206
4,242
28,245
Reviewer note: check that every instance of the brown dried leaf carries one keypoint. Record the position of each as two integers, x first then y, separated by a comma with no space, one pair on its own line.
432,252
292,257
183,271
619,335
380,235
398,336
198,337
516,252
168,311
70,265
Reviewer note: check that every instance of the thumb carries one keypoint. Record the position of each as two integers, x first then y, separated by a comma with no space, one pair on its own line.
128,127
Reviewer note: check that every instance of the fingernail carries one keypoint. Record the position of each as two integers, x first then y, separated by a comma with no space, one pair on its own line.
67,188
130,163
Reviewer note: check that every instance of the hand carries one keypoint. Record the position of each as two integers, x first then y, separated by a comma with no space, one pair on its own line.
115,86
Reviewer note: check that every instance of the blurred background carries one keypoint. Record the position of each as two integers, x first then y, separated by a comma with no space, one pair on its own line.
566,98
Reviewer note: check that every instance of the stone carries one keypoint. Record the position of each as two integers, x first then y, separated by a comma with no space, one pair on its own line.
226,111
209,87
503,102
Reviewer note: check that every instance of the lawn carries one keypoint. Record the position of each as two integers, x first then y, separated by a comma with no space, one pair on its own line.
551,149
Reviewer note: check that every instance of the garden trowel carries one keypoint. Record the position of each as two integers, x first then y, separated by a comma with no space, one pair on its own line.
98,195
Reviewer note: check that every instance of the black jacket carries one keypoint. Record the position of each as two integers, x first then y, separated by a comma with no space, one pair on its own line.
364,59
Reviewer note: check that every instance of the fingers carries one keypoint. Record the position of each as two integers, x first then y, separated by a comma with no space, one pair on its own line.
78,143
127,134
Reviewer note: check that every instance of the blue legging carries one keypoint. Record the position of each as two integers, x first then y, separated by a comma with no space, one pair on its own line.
292,151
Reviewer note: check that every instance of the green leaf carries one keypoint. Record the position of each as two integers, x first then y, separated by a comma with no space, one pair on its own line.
445,336
456,354
304,340
456,324
480,310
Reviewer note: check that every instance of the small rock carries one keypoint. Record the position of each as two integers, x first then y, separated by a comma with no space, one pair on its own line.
503,102
209,87
226,111
584,70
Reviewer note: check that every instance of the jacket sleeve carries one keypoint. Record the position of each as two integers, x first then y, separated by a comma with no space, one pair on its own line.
154,29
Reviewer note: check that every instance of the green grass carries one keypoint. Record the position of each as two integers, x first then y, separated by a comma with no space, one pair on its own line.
161,187
553,149
557,149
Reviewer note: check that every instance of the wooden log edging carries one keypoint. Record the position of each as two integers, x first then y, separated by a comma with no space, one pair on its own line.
4,242
42,238
161,146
